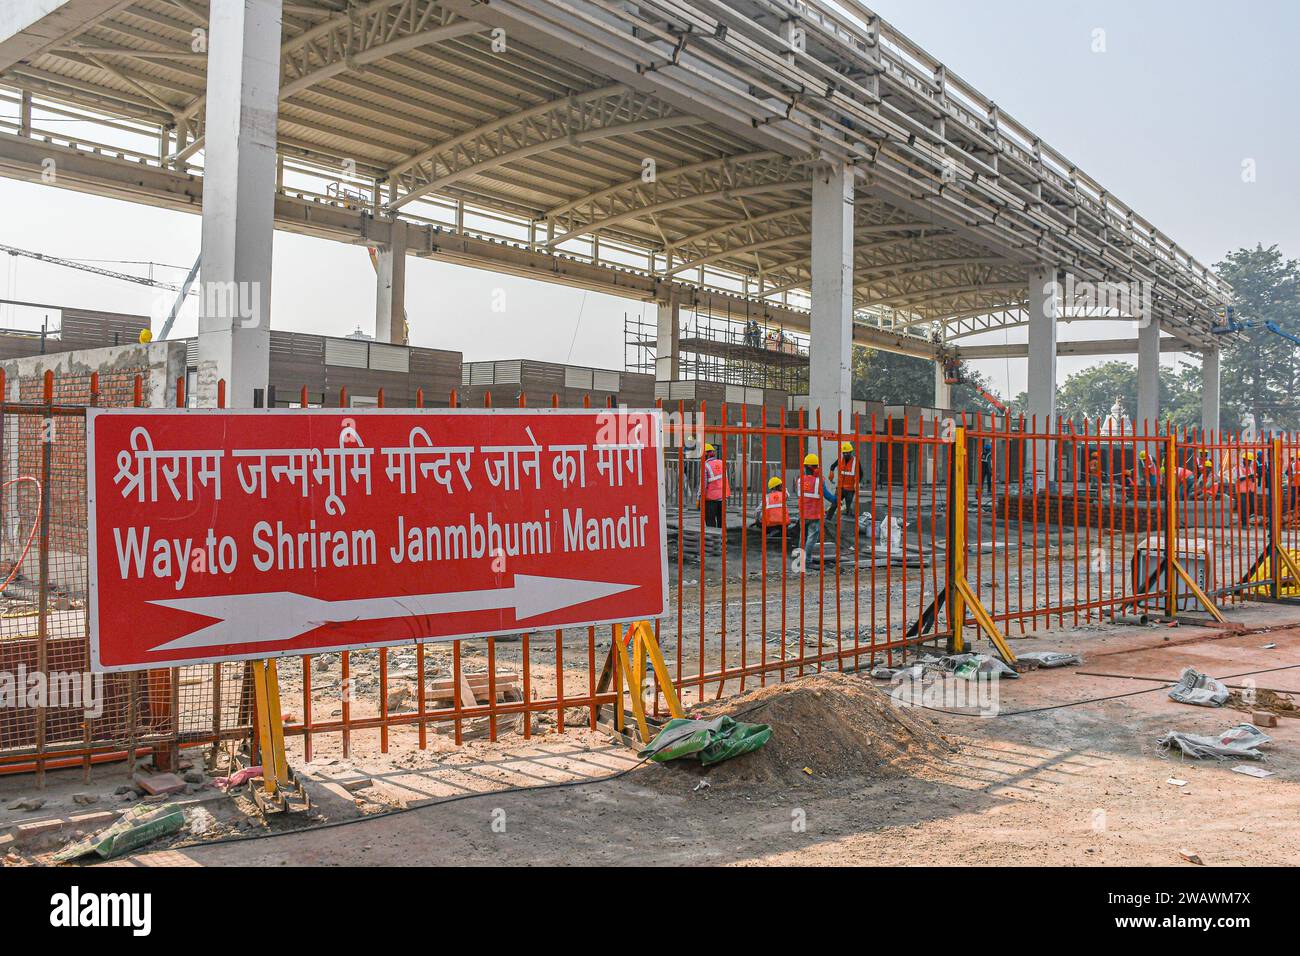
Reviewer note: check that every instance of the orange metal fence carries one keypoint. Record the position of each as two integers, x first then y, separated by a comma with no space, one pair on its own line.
1064,525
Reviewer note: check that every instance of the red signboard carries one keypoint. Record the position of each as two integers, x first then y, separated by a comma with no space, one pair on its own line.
232,535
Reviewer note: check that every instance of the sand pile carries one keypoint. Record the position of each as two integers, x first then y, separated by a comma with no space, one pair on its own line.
836,725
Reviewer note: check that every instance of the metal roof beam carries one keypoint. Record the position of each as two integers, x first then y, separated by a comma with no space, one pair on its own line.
571,121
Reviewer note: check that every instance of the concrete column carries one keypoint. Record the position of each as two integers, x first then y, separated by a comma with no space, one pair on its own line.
1210,390
830,349
1044,312
239,200
942,390
1148,410
668,332
390,287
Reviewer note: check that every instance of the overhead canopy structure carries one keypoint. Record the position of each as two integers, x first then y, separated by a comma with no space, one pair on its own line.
691,152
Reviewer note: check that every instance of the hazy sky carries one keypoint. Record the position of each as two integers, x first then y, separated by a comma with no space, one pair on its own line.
1184,93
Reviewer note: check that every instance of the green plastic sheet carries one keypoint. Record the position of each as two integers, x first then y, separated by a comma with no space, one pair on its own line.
711,741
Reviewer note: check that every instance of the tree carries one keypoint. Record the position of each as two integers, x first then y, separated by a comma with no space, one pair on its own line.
1259,369
894,379
1089,394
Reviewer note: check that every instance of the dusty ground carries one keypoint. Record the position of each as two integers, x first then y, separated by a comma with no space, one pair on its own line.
1075,785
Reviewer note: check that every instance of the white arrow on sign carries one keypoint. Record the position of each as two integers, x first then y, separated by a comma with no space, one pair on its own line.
285,615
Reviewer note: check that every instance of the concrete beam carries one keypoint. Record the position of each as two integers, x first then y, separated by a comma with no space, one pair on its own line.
1148,409
830,348
1098,347
29,27
239,201
390,287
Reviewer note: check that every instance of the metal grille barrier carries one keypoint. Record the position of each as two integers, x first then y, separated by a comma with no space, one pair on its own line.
1064,525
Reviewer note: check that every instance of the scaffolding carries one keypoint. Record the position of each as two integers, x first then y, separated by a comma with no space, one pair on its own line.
718,348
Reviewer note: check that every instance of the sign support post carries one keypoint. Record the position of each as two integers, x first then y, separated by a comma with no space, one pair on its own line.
641,641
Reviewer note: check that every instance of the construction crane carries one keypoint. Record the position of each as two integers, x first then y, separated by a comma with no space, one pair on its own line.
182,290
84,267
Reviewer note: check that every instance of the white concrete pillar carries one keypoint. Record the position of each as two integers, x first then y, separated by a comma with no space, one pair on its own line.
830,349
668,330
942,390
390,287
1044,312
239,200
1210,390
1148,410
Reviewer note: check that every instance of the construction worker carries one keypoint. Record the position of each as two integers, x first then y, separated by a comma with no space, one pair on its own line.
776,507
847,479
1148,473
814,494
1094,470
1247,487
986,465
713,478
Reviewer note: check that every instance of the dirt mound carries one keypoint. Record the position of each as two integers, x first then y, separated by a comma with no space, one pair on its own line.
835,725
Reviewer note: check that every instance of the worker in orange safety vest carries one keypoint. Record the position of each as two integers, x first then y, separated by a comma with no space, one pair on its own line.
847,478
715,486
776,508
814,494
1247,486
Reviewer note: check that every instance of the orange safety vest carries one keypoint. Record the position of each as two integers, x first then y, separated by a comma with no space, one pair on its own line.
811,504
849,473
775,512
1246,483
715,480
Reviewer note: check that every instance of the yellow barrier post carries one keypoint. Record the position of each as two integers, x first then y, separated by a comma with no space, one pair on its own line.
641,636
1275,517
957,540
960,593
270,727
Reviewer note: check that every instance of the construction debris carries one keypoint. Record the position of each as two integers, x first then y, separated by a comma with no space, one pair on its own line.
1236,743
138,826
1051,658
1199,689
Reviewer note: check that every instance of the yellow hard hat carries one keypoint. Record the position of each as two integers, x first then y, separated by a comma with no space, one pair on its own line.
1250,456
1142,454
773,483
708,447
146,336
810,460
846,447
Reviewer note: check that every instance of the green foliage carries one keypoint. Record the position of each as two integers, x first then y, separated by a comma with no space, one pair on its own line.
1260,370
